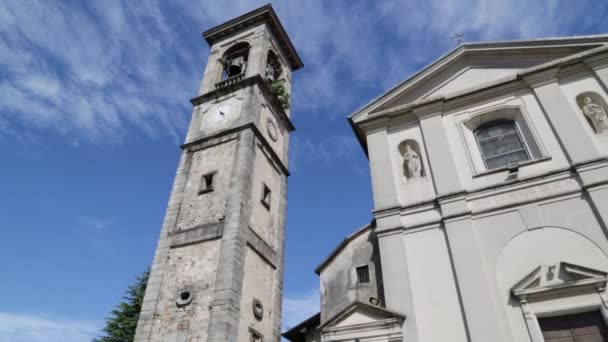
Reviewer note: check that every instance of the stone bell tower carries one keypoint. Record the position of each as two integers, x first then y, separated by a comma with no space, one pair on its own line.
217,273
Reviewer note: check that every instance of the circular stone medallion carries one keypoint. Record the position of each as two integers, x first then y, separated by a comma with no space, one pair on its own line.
271,127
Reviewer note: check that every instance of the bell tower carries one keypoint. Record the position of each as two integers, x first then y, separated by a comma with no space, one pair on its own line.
217,274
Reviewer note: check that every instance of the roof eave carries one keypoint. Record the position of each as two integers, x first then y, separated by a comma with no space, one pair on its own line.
480,46
267,13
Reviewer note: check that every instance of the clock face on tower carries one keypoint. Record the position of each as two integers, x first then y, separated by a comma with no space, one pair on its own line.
220,113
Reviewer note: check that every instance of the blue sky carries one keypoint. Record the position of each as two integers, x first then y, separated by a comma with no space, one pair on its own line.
94,104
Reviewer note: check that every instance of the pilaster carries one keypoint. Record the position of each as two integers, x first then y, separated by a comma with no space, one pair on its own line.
383,182
443,167
277,306
212,71
146,319
599,65
396,281
481,315
565,121
224,318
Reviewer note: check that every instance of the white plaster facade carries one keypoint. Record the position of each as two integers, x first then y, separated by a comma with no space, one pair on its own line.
469,252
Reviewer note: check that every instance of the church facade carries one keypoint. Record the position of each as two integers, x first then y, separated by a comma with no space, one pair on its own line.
489,172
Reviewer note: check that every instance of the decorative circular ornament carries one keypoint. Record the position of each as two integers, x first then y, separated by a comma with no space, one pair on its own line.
272,129
184,297
220,113
258,309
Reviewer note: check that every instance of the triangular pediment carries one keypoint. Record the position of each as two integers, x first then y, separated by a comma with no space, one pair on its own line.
359,313
475,65
562,276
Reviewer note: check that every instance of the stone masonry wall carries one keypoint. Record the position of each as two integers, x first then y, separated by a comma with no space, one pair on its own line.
197,210
259,278
264,221
191,268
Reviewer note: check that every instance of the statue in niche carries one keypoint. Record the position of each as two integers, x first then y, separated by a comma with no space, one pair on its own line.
412,165
596,114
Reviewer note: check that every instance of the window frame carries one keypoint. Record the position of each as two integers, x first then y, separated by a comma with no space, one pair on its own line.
203,187
266,204
513,111
366,268
525,148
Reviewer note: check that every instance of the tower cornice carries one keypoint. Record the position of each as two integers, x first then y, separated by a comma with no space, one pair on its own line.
265,13
245,82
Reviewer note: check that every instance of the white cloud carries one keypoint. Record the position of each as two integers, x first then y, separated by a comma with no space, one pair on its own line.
95,74
298,307
335,148
42,328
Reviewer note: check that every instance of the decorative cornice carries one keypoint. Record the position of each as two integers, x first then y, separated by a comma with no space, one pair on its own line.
245,82
538,79
192,146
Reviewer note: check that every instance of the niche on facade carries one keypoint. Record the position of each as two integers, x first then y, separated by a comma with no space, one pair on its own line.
412,167
235,60
595,110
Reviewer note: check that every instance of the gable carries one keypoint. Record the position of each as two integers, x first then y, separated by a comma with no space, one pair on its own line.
562,276
472,66
359,316
359,313
470,77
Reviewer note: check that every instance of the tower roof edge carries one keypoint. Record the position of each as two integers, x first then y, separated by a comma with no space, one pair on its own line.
264,13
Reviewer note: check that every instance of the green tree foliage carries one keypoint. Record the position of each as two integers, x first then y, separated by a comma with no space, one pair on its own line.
279,91
121,325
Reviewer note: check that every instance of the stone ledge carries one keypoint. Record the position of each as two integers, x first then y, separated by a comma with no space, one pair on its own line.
197,234
262,248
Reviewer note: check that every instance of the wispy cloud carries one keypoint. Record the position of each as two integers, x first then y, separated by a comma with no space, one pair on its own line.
101,71
298,307
44,328
332,149
95,224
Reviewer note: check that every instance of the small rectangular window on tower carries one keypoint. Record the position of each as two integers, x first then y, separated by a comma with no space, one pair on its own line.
206,183
266,196
363,274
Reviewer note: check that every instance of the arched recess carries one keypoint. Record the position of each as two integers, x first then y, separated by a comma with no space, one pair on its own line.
274,69
531,249
596,99
234,60
515,114
415,147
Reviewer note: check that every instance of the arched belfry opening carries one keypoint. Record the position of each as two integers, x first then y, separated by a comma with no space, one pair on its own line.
235,60
273,67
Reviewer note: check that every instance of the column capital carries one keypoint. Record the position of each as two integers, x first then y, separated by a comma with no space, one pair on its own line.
597,62
374,124
429,109
541,78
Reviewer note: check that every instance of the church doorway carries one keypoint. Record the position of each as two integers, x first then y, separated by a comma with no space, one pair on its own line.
582,327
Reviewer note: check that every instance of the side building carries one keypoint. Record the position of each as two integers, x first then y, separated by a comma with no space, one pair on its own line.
490,182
